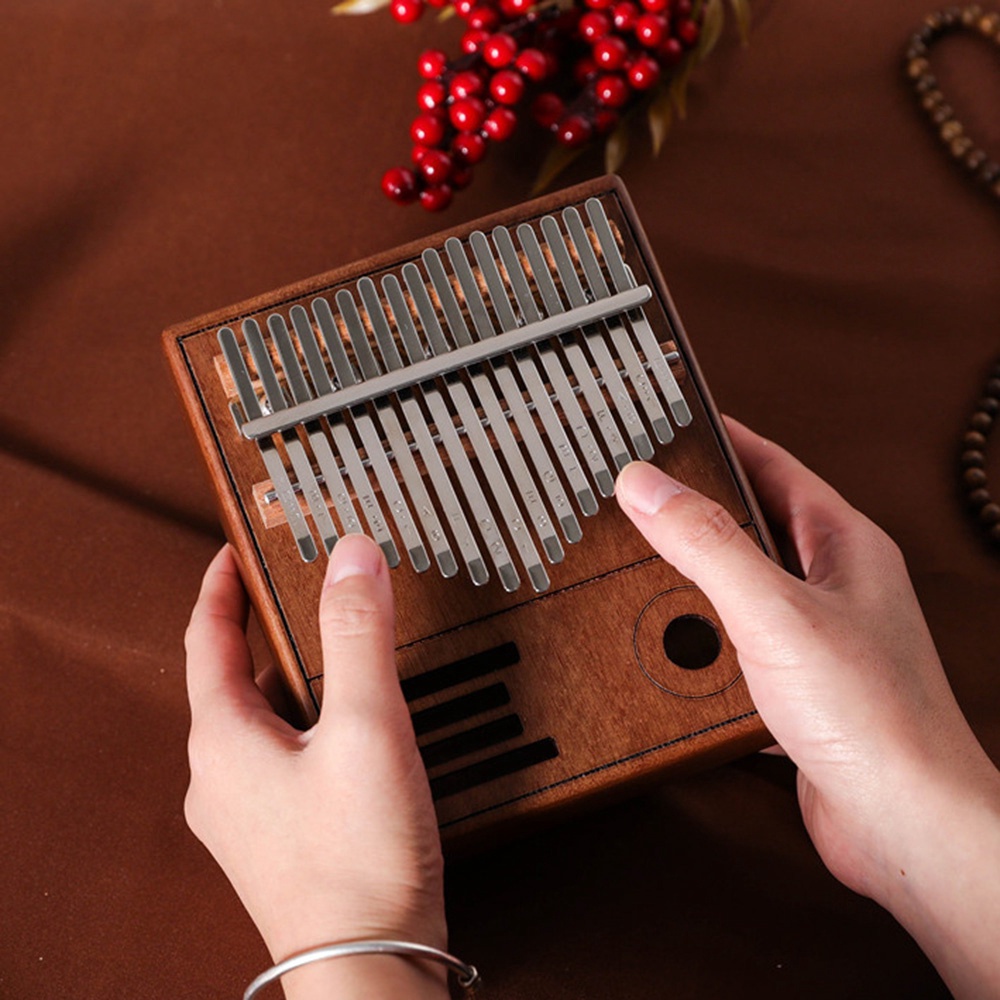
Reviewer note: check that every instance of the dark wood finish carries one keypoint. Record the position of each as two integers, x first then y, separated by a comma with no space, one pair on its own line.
591,672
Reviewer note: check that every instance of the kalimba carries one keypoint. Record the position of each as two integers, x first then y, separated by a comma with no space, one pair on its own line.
467,401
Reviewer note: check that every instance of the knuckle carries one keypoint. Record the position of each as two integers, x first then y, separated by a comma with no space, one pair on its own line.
708,526
350,615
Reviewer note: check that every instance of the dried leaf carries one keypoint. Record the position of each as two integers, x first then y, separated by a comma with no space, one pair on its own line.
558,159
446,13
358,6
616,148
678,87
661,116
711,29
741,9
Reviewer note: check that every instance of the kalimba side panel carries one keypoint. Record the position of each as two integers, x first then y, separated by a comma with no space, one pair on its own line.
599,667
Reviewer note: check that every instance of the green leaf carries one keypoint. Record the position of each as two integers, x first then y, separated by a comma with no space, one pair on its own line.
558,159
616,148
358,6
660,116
711,29
741,9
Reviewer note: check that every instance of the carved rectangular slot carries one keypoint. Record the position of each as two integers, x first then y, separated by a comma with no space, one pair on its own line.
459,709
488,734
466,669
493,767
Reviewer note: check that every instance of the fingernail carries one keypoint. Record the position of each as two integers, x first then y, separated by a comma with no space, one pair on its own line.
354,555
644,488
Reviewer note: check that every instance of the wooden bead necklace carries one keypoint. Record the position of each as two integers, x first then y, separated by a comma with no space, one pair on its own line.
986,172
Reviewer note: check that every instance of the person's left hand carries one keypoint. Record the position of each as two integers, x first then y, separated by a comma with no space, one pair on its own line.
329,834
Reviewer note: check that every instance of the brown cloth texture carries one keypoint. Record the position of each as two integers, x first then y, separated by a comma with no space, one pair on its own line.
837,275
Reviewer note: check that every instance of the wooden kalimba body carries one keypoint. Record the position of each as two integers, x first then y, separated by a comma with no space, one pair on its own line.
467,401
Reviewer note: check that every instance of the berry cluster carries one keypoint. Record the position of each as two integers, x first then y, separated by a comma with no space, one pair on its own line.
586,65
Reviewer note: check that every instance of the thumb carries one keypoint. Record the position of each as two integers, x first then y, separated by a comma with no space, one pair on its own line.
701,540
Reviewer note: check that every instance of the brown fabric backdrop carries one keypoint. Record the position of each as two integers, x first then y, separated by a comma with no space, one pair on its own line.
167,157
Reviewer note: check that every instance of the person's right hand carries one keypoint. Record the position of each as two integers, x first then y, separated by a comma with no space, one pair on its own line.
898,796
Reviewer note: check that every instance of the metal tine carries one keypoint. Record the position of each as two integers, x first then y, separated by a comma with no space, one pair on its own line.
622,277
269,453
512,392
592,393
396,437
293,445
456,453
370,438
493,411
317,439
459,394
451,508
328,463
594,339
342,436
530,313
619,335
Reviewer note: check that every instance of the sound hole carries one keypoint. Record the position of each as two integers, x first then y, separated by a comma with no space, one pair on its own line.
691,642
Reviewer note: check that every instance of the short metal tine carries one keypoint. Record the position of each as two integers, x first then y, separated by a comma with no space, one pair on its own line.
344,440
600,411
623,278
425,507
553,365
496,420
616,328
459,395
300,393
272,460
328,463
511,391
293,444
594,339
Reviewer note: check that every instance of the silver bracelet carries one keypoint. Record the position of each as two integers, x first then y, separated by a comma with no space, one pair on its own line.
467,975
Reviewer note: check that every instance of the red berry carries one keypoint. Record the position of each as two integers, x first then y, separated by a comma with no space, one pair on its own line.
574,130
468,147
436,199
533,64
483,19
407,11
547,109
499,50
436,3
643,73
435,167
656,6
472,41
625,14
593,25
605,120
468,114
611,91
500,124
464,7
599,4
513,9
671,52
431,64
507,86
400,185
682,8
418,154
610,52
431,95
461,178
584,70
688,32
466,84
427,130
651,30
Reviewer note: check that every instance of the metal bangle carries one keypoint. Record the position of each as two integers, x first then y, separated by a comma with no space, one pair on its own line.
467,975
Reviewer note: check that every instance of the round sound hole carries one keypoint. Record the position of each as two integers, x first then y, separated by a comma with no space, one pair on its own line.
691,642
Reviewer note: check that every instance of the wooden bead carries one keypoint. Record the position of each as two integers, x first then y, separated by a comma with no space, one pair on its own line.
959,146
951,129
975,159
993,388
994,533
925,83
972,459
971,14
943,113
931,100
988,24
974,439
981,421
916,68
988,404
980,497
990,514
974,477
